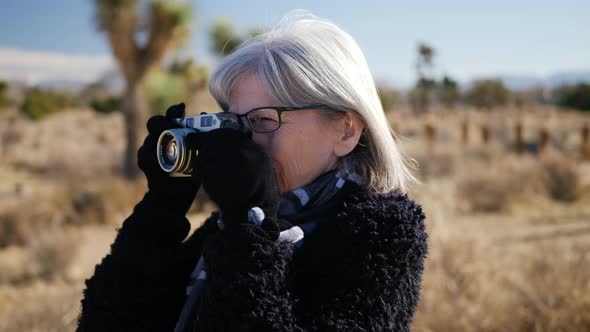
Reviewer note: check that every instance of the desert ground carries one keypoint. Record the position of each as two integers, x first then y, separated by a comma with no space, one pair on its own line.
509,230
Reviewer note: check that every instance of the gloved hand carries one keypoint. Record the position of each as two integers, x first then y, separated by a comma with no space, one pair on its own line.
237,174
174,193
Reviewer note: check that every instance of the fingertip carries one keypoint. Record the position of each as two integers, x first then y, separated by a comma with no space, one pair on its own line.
156,123
176,111
192,139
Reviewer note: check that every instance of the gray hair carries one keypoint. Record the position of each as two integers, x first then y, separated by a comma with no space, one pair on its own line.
308,60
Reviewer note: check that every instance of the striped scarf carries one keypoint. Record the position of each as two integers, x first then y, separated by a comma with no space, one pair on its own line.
296,205
313,196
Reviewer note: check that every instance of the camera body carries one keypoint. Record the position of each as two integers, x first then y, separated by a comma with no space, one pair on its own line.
173,153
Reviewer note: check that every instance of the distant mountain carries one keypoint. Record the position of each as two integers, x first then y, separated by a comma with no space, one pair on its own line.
524,82
62,85
114,83
521,82
111,81
568,77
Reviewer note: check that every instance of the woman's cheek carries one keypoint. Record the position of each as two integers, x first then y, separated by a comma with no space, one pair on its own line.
279,174
287,159
287,165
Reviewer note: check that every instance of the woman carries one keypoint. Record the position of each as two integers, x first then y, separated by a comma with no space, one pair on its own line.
314,231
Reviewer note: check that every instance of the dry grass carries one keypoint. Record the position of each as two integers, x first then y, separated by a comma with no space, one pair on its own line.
501,271
47,254
39,306
470,285
509,233
53,251
485,193
19,220
70,146
105,200
496,185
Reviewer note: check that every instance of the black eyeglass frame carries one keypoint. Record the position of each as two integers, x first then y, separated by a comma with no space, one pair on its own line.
281,109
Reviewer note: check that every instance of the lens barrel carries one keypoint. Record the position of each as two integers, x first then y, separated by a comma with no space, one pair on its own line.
174,156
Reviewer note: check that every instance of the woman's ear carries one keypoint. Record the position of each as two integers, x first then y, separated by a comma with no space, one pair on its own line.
349,131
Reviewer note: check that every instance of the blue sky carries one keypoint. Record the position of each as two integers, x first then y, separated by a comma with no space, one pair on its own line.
472,38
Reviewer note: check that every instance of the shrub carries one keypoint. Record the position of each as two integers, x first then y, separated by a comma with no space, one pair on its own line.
389,97
164,88
436,164
112,199
16,266
39,103
52,249
485,192
494,187
107,105
34,246
4,100
14,227
488,94
89,206
21,219
574,96
561,176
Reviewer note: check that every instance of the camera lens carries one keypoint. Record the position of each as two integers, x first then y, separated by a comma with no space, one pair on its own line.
173,154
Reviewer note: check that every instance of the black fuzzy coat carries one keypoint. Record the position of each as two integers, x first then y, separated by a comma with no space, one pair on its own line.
360,270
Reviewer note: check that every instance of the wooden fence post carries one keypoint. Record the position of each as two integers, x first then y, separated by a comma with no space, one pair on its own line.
544,137
485,134
430,133
585,144
518,138
465,133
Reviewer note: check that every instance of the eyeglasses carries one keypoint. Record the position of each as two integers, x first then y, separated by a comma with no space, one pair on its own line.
268,118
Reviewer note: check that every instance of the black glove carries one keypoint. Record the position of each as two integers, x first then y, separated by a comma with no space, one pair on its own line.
174,193
236,173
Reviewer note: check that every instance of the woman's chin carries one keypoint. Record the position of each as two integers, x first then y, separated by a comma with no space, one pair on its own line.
279,174
283,187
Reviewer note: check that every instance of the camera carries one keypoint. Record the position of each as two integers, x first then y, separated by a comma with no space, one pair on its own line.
173,153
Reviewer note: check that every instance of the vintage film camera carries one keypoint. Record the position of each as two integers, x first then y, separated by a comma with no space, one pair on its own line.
174,154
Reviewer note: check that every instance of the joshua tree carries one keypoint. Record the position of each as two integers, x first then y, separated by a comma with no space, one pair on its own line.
3,91
421,95
226,39
140,34
424,65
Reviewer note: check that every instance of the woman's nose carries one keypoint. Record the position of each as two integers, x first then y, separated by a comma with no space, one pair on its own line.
261,139
257,139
